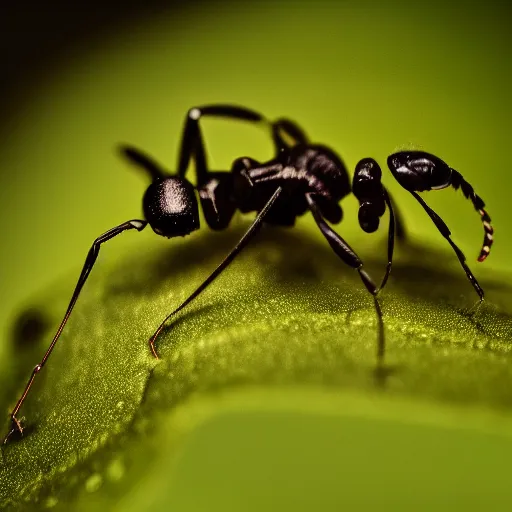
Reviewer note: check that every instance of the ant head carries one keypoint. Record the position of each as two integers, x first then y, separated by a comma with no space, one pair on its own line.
418,171
170,207
367,187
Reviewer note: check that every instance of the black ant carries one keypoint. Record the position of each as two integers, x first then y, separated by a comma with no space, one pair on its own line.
301,177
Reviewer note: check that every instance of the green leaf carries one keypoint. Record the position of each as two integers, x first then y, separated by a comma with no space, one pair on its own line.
287,328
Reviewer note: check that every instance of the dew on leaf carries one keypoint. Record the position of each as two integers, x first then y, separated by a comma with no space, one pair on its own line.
115,470
50,502
93,483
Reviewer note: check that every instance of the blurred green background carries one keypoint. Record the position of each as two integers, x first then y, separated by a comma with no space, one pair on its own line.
366,78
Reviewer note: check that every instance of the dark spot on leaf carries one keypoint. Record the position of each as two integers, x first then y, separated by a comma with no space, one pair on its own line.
30,326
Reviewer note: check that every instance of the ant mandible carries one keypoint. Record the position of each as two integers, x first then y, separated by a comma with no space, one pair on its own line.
302,176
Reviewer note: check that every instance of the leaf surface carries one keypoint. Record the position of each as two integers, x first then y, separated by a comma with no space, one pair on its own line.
286,326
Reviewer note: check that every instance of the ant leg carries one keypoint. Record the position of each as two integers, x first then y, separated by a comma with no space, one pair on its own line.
293,134
253,229
139,225
391,238
143,161
401,232
348,256
192,143
215,188
443,229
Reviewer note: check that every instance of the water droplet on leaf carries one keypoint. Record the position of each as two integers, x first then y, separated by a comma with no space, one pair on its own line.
93,483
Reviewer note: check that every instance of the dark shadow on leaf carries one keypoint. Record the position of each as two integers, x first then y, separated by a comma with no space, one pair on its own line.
29,328
275,246
27,337
16,437
288,255
382,372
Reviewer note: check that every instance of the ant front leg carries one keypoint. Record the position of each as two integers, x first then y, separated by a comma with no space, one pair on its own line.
348,256
139,225
253,229
285,133
192,144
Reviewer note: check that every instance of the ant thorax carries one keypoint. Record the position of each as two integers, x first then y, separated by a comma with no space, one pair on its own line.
303,169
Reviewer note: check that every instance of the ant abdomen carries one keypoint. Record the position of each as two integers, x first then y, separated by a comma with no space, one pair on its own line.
419,171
